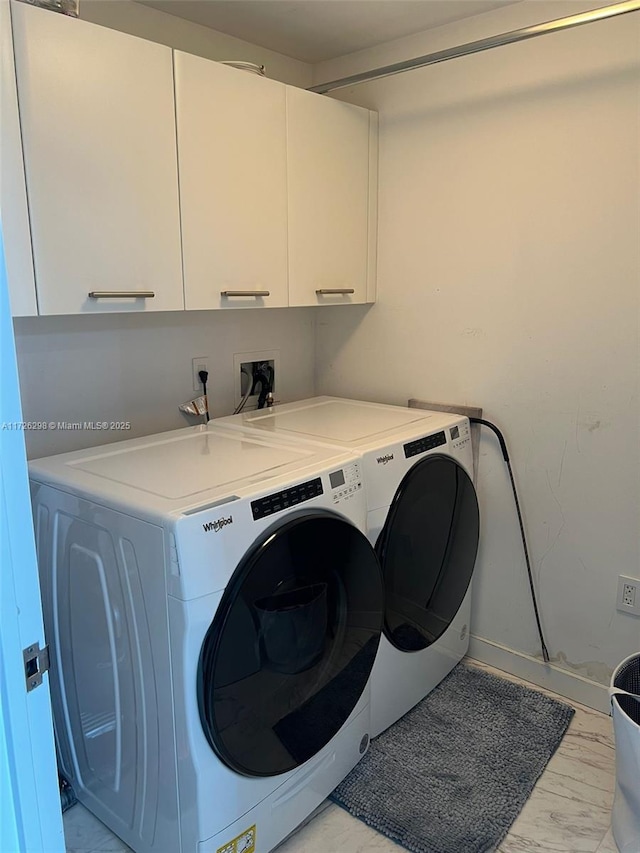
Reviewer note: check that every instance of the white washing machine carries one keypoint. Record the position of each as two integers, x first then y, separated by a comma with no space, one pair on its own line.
213,609
422,517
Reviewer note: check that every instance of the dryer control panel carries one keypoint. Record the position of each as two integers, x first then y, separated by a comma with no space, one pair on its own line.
460,435
421,445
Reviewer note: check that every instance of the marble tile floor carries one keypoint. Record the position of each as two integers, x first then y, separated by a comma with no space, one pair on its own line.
569,810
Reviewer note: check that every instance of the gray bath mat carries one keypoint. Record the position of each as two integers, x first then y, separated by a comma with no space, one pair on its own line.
453,774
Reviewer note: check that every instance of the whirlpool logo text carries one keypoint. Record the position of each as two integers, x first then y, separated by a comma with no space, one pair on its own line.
217,525
382,460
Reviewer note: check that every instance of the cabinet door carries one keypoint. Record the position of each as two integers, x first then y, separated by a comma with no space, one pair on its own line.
233,191
13,199
98,128
332,170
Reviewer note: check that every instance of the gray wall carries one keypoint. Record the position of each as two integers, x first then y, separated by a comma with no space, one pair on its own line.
126,367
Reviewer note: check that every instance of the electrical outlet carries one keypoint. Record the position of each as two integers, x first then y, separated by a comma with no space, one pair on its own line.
200,362
628,595
249,361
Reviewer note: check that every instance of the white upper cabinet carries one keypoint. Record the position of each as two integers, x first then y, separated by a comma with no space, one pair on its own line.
233,185
14,214
98,130
126,165
332,178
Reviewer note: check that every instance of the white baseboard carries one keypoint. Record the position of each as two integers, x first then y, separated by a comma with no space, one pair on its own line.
547,675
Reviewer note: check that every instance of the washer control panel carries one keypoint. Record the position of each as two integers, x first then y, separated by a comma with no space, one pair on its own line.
345,482
286,498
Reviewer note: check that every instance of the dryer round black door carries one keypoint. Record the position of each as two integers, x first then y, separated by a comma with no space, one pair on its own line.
292,644
427,550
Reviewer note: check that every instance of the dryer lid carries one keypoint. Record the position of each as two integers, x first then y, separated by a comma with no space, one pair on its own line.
346,422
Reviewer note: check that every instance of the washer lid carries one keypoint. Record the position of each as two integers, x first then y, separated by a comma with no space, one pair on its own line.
178,466
180,469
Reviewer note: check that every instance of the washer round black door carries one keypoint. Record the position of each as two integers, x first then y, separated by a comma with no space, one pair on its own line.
427,550
292,644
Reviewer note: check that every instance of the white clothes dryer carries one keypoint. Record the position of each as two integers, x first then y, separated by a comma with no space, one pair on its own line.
213,609
422,517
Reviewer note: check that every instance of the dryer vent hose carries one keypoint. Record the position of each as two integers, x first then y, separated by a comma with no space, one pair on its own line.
505,456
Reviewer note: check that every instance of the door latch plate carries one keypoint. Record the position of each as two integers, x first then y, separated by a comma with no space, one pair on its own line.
36,663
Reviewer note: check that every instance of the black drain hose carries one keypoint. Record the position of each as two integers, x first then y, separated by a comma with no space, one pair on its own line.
505,456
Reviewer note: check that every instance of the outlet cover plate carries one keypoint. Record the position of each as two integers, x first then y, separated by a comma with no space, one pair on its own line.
200,362
628,600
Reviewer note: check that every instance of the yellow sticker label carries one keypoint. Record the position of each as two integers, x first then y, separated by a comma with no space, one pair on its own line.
243,843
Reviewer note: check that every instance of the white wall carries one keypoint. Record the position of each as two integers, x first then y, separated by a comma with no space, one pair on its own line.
128,367
137,368
509,278
138,20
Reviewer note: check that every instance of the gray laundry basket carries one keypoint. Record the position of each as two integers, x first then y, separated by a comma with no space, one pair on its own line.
626,726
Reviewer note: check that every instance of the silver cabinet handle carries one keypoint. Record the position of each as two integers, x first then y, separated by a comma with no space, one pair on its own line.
256,293
335,291
121,294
